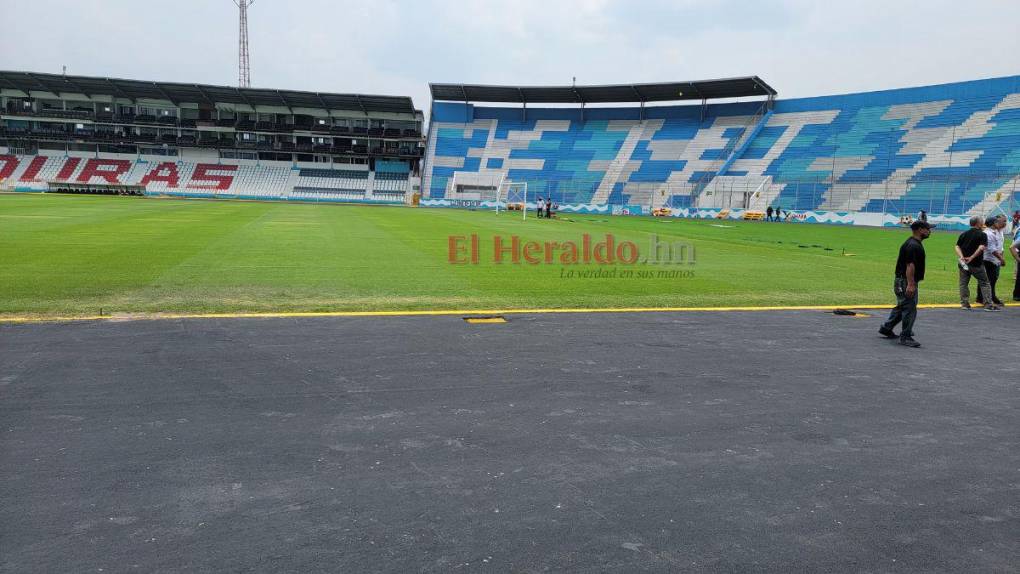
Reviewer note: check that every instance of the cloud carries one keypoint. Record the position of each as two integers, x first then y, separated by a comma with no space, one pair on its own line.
801,47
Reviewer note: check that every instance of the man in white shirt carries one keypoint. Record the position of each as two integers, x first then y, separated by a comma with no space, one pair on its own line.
993,257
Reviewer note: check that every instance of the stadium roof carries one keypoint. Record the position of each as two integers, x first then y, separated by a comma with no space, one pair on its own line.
199,93
666,92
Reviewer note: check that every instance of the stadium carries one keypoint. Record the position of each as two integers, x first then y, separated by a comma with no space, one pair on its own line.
609,327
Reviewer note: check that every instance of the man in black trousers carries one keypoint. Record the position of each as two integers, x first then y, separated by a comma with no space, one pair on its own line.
909,272
970,252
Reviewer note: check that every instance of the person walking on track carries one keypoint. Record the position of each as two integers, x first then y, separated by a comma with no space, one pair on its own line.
909,272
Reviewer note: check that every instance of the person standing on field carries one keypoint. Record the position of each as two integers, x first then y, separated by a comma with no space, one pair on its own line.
993,256
539,207
768,214
909,272
970,249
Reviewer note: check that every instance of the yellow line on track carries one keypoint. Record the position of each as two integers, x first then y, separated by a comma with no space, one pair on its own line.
449,312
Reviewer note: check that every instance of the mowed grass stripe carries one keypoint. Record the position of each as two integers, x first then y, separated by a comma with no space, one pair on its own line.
132,255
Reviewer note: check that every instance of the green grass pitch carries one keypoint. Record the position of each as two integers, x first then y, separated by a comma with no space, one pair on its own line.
75,255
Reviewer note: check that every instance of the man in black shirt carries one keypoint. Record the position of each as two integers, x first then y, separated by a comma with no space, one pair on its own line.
909,272
970,253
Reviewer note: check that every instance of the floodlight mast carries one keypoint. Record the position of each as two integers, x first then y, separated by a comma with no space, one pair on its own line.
243,61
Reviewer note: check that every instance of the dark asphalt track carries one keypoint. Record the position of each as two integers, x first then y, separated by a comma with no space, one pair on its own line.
722,442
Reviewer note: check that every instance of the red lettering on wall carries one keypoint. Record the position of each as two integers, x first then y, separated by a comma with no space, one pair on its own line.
215,180
108,169
164,172
34,168
10,164
68,170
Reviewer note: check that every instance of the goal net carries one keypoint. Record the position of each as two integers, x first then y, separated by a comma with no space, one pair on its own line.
513,196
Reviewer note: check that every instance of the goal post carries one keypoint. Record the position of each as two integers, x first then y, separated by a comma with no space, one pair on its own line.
499,192
488,191
514,195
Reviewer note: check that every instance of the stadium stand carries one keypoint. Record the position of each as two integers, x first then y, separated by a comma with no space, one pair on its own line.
224,180
949,149
208,141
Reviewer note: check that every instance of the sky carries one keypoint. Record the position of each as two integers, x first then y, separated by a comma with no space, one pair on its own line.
395,47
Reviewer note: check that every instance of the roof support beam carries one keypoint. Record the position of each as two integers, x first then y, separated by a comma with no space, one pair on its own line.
641,99
118,91
160,89
361,104
13,85
240,93
321,101
697,91
77,87
204,95
286,103
44,87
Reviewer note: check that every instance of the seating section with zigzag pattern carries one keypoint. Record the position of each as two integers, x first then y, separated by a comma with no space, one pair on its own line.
952,148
